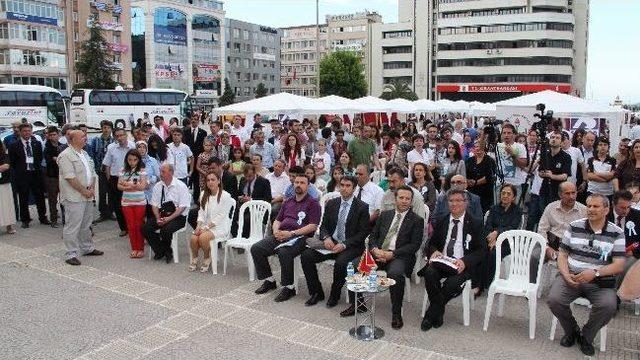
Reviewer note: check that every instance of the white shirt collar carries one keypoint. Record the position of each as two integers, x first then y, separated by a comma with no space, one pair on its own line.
461,218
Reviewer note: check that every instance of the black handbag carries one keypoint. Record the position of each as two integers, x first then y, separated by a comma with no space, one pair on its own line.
605,282
166,208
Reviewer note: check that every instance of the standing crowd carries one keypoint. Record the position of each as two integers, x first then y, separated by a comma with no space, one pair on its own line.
419,191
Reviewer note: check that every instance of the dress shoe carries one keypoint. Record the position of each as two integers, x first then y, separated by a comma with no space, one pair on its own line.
100,219
73,261
586,347
45,222
25,225
332,302
396,322
351,310
570,339
158,256
123,233
314,299
266,287
437,322
95,252
169,257
426,324
54,225
285,294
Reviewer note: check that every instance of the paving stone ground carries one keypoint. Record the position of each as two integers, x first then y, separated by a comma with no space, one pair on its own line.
113,307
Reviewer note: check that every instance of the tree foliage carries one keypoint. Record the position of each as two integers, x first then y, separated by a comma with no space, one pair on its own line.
261,91
95,66
342,74
228,96
397,89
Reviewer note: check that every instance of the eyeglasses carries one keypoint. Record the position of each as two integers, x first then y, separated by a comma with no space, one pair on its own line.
458,182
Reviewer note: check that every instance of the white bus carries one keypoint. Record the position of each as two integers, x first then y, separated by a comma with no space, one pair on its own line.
40,105
120,106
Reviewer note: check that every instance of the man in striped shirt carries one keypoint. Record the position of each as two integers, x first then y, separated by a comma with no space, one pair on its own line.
591,255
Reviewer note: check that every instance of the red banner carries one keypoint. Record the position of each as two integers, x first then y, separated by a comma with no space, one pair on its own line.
488,88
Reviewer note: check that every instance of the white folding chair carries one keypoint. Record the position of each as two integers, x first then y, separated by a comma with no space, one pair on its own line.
516,283
583,302
213,244
174,243
637,306
468,303
258,209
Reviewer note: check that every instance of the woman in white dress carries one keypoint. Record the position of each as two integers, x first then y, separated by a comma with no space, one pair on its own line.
7,213
213,221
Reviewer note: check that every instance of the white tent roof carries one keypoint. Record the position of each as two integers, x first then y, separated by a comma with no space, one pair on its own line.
282,103
341,102
425,105
373,104
403,106
445,105
482,109
561,104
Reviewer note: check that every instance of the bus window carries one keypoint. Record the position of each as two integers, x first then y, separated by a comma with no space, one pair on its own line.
99,98
30,99
120,98
169,99
7,98
136,98
152,98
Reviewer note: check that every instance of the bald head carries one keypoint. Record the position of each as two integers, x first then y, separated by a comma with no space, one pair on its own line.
458,182
77,139
568,194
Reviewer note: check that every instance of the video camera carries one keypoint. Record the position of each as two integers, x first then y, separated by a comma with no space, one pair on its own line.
546,120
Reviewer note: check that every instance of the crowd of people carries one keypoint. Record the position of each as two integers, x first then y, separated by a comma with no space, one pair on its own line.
433,198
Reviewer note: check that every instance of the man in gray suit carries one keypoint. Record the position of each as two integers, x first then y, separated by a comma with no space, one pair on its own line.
474,208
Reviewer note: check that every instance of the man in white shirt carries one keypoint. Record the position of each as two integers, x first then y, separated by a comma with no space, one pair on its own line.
181,155
238,130
113,163
279,181
168,190
577,159
511,158
457,134
368,192
419,154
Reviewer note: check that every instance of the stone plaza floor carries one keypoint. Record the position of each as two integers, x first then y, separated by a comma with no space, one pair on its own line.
113,307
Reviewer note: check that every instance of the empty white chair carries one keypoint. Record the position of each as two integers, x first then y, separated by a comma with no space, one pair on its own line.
213,244
517,283
468,303
258,209
583,302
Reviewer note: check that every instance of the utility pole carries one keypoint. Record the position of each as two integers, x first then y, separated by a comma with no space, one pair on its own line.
318,48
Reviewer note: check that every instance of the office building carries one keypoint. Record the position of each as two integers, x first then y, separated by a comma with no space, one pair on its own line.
113,17
252,58
298,58
33,44
179,45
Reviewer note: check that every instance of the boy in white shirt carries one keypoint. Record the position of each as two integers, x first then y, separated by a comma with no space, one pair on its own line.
321,160
181,156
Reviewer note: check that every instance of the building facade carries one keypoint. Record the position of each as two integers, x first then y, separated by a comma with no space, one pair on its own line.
253,58
484,50
33,44
179,44
299,63
113,17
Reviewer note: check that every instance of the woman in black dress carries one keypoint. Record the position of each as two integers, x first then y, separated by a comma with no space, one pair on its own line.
480,175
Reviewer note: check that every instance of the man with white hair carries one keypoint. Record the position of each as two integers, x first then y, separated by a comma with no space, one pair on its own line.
457,135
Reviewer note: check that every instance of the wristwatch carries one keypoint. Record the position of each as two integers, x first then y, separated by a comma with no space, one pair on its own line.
597,274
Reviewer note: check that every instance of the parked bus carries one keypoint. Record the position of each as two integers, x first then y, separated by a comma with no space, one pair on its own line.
40,105
122,106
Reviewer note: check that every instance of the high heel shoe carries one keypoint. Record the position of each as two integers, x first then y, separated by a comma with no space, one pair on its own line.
194,265
205,265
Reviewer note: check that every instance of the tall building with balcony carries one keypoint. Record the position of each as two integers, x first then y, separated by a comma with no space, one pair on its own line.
113,17
253,58
33,44
179,44
298,54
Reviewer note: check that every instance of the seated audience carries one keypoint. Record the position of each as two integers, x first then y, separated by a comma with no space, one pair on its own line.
396,180
422,180
458,182
368,191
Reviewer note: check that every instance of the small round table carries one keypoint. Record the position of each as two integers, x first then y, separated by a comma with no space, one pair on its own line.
365,328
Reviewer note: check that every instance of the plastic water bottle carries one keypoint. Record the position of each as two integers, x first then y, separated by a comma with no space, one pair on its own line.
373,278
351,271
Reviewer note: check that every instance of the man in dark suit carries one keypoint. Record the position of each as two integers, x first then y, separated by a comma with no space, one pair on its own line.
252,187
628,219
194,139
25,158
474,206
394,241
457,236
345,225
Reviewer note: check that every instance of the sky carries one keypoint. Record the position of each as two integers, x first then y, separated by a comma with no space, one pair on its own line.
614,33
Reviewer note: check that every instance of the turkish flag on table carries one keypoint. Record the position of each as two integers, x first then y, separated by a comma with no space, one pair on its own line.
366,262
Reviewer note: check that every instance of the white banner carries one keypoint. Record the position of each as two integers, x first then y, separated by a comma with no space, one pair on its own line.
520,116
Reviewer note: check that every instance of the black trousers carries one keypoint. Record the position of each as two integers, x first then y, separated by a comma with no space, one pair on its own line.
31,184
192,218
115,198
104,196
311,257
396,270
195,183
161,243
441,293
266,247
486,271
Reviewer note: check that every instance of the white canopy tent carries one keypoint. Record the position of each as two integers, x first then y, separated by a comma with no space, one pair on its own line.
426,106
482,109
403,106
370,104
282,103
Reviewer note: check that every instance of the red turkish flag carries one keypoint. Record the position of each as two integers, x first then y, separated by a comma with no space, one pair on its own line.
366,262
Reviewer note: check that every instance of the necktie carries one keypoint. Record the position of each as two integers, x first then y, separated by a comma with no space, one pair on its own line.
359,194
393,231
29,154
195,132
619,222
342,219
454,237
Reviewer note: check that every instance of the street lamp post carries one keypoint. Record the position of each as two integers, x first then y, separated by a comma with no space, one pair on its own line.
317,48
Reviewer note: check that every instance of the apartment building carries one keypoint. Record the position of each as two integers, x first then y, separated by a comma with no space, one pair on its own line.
299,61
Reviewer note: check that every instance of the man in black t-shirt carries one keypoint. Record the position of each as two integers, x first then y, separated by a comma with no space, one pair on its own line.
555,168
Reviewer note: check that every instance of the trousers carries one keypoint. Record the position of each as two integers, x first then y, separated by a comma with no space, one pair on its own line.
134,216
309,259
266,247
53,190
440,293
76,232
115,196
160,242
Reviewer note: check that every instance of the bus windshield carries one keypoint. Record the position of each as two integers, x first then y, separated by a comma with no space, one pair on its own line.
17,100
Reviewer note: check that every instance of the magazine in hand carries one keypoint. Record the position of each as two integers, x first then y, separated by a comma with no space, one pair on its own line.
446,265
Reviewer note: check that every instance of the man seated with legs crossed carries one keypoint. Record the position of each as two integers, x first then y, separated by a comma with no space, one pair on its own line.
298,219
394,241
458,236
591,254
337,241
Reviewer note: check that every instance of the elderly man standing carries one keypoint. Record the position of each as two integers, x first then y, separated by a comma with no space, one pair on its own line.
591,256
77,184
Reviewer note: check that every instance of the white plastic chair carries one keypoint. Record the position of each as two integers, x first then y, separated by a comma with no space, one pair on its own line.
468,303
516,283
583,302
258,209
213,244
174,243
637,306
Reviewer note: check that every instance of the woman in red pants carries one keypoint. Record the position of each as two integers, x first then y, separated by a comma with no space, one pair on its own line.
132,183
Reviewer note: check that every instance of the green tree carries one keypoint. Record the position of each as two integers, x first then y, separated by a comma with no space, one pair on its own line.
95,66
342,74
261,91
228,96
398,89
